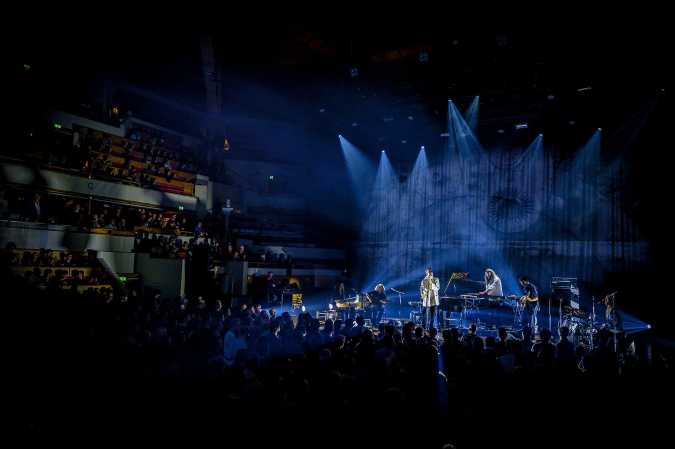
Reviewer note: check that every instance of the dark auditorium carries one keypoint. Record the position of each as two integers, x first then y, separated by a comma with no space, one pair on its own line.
417,231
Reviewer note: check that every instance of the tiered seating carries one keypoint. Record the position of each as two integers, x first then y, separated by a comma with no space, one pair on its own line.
126,160
97,217
46,266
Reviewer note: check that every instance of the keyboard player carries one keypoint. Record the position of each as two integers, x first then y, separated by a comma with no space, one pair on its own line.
493,285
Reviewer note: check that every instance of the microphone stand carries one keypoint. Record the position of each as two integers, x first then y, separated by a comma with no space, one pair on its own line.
400,300
447,286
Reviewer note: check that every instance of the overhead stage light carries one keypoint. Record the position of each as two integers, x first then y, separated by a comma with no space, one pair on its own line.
521,126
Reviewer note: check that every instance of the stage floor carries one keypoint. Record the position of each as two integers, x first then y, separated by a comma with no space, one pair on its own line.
487,319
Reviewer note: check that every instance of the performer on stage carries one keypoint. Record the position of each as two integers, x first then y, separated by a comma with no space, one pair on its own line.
378,299
493,285
613,317
530,303
429,288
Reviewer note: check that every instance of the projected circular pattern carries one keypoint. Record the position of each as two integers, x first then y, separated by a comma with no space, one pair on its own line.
510,211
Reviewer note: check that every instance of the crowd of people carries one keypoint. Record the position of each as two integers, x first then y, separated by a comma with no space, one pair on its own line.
219,356
93,153
55,268
182,248
45,257
148,156
84,214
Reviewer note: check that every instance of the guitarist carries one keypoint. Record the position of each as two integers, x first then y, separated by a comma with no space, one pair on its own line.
530,303
378,299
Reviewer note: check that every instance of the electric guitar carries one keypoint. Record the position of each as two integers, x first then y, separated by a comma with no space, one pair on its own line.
524,299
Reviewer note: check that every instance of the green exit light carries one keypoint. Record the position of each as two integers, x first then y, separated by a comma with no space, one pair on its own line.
57,125
123,278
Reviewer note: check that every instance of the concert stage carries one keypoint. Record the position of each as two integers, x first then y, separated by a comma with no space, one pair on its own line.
488,316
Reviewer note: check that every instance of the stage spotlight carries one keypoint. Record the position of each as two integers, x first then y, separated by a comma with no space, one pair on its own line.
572,122
551,97
599,129
383,151
541,135
422,148
521,126
500,131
